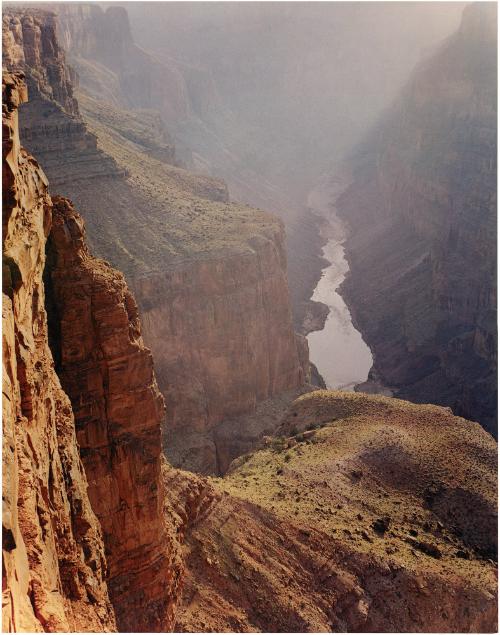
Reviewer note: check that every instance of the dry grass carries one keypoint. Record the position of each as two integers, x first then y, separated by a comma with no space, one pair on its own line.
160,213
356,458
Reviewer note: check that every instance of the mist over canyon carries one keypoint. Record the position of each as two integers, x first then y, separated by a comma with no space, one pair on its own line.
249,317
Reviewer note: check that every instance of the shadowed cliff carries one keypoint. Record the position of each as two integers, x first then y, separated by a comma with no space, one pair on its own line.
422,216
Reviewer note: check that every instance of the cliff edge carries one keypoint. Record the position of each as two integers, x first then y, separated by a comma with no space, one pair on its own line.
54,566
85,536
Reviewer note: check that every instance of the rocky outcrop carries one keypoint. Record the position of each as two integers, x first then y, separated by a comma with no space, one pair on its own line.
108,374
422,215
77,550
50,122
29,42
358,518
54,569
102,49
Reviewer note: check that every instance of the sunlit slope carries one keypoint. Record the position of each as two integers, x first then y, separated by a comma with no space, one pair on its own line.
367,514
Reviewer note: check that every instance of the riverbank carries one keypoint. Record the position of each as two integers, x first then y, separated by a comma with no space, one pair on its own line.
305,241
337,349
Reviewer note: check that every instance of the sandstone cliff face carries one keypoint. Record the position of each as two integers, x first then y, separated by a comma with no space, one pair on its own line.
422,214
108,374
209,275
220,330
50,122
54,568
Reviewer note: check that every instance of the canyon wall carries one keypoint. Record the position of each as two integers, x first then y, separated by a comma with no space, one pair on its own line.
54,568
220,331
79,546
108,375
209,274
50,122
422,217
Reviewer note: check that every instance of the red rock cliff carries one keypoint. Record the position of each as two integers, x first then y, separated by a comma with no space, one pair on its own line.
76,553
54,569
108,374
221,331
50,123
209,275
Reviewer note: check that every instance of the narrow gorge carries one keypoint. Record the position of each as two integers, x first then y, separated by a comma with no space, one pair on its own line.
421,213
336,348
192,441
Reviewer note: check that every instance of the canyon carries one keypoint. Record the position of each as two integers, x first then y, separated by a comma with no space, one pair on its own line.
421,214
177,347
209,274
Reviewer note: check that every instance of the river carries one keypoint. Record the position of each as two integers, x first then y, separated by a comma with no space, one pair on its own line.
342,357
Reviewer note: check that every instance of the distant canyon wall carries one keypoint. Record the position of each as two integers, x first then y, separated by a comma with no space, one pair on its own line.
422,216
114,67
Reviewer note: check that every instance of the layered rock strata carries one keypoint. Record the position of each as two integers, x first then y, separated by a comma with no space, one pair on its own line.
50,122
209,275
54,568
422,217
108,374
222,339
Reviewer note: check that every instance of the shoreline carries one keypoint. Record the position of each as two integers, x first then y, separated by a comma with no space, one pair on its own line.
305,270
338,349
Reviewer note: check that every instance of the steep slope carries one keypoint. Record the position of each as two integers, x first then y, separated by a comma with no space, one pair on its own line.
50,122
108,374
54,568
225,341
368,514
70,539
422,215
